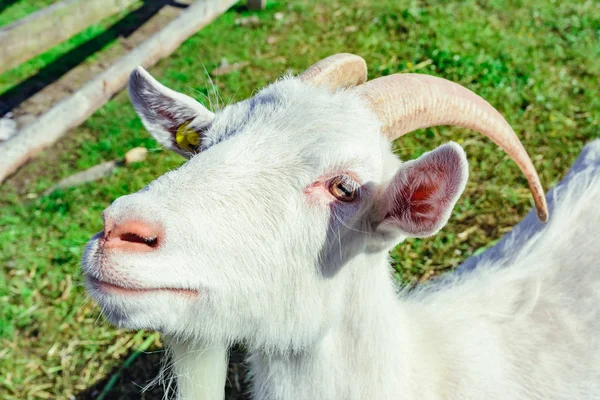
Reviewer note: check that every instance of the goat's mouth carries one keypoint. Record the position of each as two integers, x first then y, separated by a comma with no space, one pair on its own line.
114,288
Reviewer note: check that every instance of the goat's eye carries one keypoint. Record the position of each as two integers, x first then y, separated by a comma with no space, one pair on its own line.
343,188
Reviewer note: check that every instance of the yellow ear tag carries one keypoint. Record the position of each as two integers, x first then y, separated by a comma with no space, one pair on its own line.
186,138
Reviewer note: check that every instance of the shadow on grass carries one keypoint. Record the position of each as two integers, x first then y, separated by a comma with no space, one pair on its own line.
4,4
137,370
53,71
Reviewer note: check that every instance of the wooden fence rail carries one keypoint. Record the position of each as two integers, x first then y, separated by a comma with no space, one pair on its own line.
72,111
50,26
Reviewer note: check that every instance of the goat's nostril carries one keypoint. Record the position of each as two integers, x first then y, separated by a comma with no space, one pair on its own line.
135,238
132,236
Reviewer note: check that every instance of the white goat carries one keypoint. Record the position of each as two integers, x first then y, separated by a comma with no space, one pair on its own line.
277,235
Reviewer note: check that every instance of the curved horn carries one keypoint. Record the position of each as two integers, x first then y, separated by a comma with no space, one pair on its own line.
406,102
337,71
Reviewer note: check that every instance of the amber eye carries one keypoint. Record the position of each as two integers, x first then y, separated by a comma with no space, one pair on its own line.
343,188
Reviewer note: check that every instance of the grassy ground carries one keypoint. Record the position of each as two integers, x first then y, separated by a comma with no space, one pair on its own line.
13,10
537,62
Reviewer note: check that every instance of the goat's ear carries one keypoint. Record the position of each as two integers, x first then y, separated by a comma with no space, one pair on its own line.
175,120
420,197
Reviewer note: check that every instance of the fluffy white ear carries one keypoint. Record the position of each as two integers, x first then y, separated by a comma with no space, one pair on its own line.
175,120
420,198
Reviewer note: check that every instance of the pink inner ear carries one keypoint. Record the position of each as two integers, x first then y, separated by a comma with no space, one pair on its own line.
419,207
425,190
420,201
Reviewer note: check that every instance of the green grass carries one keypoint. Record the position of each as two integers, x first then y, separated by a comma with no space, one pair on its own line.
538,64
15,11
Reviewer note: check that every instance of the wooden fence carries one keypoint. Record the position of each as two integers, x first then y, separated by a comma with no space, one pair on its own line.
44,29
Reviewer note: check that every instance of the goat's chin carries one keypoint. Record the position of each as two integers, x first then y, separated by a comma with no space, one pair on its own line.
125,315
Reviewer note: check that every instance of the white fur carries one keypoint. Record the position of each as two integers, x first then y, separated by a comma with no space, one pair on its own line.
306,283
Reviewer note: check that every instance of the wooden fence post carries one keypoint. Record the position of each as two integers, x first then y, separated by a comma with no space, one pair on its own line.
257,4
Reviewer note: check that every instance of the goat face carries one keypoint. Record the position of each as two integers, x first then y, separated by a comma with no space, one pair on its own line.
248,240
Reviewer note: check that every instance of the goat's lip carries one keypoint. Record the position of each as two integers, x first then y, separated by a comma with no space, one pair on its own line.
111,287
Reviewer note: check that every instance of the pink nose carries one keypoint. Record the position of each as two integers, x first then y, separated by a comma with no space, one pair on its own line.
131,236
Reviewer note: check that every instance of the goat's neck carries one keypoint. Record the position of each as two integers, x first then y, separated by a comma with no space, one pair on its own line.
374,332
200,369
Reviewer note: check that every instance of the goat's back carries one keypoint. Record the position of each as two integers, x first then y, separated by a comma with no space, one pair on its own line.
527,311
